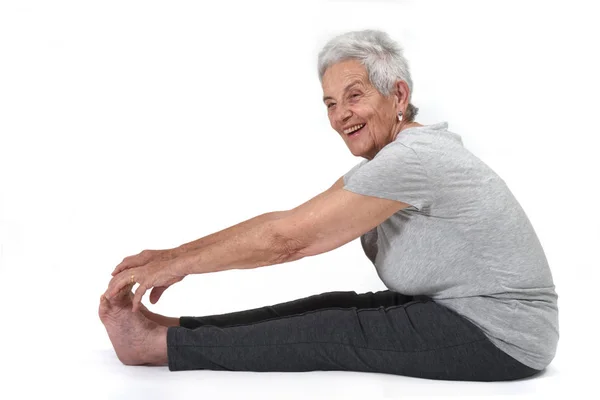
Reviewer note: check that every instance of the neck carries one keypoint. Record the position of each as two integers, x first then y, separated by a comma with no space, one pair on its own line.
402,126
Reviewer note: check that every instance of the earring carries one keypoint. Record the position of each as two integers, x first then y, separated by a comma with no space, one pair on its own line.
400,116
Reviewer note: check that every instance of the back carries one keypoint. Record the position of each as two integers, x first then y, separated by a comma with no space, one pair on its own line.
466,242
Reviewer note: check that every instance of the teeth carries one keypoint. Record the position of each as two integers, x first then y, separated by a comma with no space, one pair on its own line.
354,128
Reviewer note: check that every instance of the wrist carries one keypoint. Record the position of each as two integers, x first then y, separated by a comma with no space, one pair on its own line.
185,262
180,250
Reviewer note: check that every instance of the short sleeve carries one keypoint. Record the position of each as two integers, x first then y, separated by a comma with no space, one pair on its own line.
348,174
395,173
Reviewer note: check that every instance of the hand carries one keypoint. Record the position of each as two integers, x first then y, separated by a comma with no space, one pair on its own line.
145,257
156,269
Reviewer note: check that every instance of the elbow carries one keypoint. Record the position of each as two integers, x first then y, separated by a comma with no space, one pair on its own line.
286,247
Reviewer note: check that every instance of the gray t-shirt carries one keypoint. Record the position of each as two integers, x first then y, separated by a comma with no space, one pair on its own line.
465,241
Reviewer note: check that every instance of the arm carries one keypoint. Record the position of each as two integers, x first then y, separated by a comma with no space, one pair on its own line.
325,222
332,219
227,233
250,244
245,245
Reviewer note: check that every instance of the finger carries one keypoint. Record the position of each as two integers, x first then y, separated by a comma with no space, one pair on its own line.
128,262
119,269
118,282
131,262
137,299
156,293
125,264
126,290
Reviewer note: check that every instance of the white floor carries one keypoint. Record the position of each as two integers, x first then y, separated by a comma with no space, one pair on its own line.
96,373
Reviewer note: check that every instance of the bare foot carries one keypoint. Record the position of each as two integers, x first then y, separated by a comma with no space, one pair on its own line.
136,339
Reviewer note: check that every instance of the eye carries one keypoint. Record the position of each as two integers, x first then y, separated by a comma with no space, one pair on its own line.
330,104
354,95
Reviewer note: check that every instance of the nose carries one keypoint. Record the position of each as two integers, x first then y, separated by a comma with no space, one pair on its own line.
344,115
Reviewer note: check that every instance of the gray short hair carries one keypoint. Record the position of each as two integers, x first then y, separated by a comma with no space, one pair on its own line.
382,57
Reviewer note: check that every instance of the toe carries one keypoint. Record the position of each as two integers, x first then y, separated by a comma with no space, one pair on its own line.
104,308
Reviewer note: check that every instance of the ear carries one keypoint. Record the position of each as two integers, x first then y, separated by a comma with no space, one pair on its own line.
401,92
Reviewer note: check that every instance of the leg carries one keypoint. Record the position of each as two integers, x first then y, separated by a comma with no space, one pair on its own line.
330,299
159,319
419,338
348,299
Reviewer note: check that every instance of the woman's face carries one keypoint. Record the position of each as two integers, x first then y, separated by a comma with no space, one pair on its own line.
351,100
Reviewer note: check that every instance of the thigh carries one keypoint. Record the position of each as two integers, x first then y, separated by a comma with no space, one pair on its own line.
420,339
343,299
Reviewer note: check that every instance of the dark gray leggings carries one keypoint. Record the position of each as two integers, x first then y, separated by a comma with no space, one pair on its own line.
385,332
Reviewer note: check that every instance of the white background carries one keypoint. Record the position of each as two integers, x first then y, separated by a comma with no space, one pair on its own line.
131,125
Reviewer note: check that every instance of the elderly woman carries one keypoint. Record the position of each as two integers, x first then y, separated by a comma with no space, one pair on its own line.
470,293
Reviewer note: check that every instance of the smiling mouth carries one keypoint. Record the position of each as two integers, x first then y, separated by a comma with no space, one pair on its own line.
357,131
